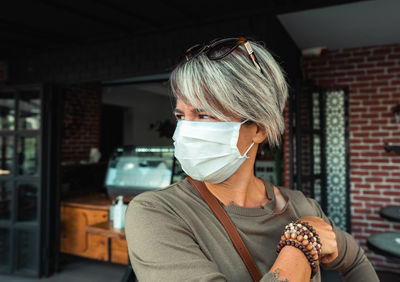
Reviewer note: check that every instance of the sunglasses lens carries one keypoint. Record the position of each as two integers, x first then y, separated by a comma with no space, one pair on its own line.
222,49
194,51
218,49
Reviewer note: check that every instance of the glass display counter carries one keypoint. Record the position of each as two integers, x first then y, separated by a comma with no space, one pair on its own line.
135,169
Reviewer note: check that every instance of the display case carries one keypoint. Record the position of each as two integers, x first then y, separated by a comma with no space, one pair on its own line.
132,170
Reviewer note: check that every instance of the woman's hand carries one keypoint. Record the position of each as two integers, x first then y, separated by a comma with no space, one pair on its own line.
329,249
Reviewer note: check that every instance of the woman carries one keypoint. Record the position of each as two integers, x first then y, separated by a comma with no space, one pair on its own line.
229,101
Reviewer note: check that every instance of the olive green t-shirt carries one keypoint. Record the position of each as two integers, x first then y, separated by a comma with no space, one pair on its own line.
173,235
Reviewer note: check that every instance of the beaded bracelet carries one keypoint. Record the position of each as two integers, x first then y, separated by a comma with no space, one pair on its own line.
302,236
313,262
301,231
305,234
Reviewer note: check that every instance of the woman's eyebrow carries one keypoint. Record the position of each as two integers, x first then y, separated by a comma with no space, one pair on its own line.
178,111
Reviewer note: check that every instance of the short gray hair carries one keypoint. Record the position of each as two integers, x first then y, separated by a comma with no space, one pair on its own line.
234,87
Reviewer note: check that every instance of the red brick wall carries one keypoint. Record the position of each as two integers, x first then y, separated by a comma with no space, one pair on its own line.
372,75
81,124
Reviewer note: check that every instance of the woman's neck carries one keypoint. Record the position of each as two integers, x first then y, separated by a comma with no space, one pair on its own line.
242,189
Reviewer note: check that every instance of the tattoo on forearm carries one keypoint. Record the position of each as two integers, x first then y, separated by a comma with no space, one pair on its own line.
277,273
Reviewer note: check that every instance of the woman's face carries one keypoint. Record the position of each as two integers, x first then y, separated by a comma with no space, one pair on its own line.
188,112
248,132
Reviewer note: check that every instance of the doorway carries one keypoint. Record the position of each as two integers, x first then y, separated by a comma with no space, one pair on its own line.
28,132
319,145
112,129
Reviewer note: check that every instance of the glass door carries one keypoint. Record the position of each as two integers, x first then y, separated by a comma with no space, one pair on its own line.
319,149
21,193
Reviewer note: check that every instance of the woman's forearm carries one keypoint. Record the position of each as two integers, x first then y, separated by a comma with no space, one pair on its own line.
292,264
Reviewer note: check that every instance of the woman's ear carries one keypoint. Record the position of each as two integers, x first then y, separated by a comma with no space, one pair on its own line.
261,134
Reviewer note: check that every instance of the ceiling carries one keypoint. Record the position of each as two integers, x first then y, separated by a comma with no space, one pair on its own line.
27,25
351,25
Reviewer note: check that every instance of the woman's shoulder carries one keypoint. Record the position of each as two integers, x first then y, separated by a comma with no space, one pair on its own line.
166,197
151,215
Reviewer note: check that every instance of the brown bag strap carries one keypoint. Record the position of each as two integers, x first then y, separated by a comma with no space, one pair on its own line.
229,227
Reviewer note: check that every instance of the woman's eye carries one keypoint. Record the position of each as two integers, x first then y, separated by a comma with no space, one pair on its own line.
180,117
206,117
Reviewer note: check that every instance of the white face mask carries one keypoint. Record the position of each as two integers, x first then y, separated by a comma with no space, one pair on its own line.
207,151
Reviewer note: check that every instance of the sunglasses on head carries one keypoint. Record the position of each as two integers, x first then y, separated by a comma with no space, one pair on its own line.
218,49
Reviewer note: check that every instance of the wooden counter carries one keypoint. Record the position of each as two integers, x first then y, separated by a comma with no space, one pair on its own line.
86,230
91,201
117,246
106,229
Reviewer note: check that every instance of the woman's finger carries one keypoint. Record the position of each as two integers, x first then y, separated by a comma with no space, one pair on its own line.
329,250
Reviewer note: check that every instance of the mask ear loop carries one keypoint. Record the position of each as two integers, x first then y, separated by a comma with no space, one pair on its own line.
248,149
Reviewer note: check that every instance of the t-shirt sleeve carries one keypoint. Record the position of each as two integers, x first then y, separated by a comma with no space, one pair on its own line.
162,247
351,263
